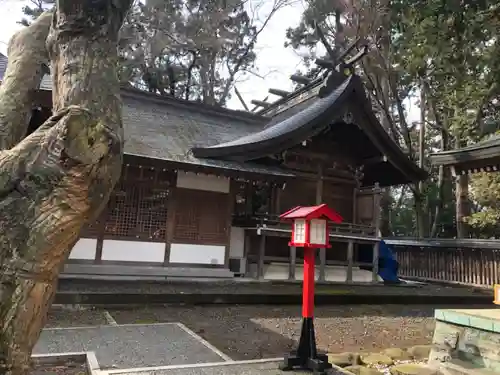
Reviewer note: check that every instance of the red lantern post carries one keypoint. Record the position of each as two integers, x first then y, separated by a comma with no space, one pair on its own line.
310,231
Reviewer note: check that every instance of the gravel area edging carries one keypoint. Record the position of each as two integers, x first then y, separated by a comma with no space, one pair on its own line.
53,359
195,365
149,370
124,299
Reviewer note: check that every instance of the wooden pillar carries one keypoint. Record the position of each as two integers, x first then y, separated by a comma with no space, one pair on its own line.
319,199
293,263
171,207
350,261
354,205
277,202
376,246
248,198
246,249
100,235
229,220
262,254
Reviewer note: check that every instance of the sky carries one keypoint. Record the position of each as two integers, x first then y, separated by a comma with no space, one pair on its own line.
274,63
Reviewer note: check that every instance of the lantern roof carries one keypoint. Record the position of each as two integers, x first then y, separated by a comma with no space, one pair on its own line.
312,212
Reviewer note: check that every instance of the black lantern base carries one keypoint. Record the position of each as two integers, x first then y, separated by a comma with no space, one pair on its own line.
306,356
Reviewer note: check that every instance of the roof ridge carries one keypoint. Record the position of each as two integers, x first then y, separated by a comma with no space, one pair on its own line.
197,106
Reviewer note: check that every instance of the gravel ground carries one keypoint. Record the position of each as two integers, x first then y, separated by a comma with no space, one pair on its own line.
253,332
65,317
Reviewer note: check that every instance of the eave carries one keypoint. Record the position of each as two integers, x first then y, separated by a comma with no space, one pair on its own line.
311,121
481,157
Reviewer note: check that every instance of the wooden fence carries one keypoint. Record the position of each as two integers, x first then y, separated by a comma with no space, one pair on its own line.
473,262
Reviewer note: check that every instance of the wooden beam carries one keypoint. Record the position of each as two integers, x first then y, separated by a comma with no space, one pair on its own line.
333,175
260,103
363,51
300,79
310,176
279,92
241,99
375,160
324,63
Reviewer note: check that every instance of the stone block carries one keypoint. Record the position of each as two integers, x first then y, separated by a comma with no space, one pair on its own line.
397,354
361,370
467,335
344,359
420,351
376,359
412,369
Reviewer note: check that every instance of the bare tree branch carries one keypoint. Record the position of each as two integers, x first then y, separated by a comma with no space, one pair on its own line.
27,58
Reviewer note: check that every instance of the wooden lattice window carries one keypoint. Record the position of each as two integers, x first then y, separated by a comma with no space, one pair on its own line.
201,217
137,208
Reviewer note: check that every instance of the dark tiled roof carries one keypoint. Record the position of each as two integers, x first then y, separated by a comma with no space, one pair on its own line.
315,114
281,133
165,128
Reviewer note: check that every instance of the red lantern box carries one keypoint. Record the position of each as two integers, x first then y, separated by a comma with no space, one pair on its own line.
310,225
310,231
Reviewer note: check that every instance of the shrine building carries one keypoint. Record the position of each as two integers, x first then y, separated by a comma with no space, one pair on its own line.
202,187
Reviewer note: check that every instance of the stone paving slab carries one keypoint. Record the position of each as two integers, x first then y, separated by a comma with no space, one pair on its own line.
131,346
259,367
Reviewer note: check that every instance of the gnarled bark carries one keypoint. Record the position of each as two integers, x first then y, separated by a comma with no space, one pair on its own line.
60,176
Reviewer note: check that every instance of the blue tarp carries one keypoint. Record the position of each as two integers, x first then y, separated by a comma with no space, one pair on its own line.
388,265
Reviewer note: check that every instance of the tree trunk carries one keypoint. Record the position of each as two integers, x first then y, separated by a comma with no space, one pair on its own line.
60,176
441,188
462,205
420,196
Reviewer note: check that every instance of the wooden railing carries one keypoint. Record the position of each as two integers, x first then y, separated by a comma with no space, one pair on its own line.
274,222
467,261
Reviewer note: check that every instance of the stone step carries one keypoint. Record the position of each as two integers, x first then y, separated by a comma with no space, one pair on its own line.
139,272
458,367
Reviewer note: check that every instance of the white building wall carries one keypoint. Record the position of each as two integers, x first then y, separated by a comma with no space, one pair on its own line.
84,249
154,252
133,251
188,180
197,254
237,242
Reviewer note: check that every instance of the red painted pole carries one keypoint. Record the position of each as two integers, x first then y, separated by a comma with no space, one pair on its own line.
308,284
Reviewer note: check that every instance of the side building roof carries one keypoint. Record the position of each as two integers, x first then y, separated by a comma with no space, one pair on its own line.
483,156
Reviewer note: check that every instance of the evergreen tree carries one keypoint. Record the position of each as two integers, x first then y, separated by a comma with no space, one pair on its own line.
31,12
